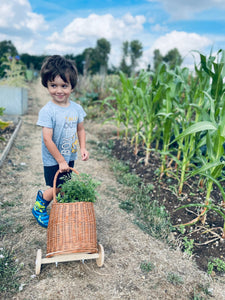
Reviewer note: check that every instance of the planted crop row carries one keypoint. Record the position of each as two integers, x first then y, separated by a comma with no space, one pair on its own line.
183,115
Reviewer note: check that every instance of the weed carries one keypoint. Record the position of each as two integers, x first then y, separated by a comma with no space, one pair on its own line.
7,204
119,168
123,175
181,229
127,206
20,147
217,263
188,245
103,147
147,266
18,229
174,278
199,291
129,179
5,226
9,268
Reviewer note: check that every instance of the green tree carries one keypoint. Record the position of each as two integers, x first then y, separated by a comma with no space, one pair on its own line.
136,51
157,59
90,63
6,49
33,62
131,52
102,49
79,59
124,67
173,58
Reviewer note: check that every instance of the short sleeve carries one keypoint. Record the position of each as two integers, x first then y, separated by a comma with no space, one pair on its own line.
45,117
82,114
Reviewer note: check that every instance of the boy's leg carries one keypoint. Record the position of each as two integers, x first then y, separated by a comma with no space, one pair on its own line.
48,194
39,210
44,198
42,201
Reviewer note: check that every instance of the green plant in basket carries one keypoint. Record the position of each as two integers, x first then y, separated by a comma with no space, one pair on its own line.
79,188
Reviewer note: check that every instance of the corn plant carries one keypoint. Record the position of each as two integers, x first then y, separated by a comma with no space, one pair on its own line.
151,106
128,98
115,103
193,109
167,114
213,162
140,90
120,103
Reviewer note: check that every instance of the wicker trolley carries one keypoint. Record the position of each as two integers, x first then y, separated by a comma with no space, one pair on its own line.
71,233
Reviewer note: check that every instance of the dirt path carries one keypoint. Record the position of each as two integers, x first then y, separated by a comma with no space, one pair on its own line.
125,245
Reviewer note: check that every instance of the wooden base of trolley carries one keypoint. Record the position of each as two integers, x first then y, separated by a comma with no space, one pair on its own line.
69,257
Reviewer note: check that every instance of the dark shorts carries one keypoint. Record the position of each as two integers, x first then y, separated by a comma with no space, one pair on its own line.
49,173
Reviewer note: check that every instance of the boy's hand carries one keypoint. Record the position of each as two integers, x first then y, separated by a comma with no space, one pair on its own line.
84,154
64,167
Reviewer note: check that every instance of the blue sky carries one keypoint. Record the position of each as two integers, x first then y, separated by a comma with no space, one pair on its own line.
70,26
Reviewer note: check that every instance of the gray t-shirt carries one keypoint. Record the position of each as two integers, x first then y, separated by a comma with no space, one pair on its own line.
63,121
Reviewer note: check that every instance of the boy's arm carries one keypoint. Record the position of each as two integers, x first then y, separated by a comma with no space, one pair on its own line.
82,141
47,136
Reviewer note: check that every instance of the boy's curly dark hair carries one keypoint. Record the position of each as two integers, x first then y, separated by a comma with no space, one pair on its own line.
57,65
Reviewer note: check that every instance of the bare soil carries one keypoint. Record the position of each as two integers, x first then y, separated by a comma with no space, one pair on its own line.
125,245
208,241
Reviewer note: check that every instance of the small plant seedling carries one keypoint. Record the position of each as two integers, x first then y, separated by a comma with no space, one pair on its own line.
127,206
147,266
217,263
188,245
175,279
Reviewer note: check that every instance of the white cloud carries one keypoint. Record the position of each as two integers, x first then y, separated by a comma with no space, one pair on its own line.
186,9
95,26
183,41
82,33
159,28
17,17
22,26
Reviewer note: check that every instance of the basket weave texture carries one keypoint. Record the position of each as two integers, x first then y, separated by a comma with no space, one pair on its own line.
71,227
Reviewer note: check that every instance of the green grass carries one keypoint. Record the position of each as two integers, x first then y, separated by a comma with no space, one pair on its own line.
9,273
9,226
148,214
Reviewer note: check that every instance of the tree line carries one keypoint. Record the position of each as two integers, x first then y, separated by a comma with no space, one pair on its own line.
93,60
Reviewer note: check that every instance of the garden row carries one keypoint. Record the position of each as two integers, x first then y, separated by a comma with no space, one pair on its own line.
181,115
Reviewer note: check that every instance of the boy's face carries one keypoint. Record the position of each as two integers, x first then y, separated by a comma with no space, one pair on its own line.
60,91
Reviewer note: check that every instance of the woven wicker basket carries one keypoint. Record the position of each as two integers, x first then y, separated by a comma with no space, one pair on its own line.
71,227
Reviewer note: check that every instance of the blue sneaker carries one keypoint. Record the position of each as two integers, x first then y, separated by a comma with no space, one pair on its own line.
39,210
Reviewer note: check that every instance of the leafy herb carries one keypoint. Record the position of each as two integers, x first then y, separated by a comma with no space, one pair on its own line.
78,188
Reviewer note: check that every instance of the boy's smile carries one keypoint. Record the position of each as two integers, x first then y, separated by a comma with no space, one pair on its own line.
60,91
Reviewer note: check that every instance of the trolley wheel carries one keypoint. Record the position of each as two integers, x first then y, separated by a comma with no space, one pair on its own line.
38,262
100,259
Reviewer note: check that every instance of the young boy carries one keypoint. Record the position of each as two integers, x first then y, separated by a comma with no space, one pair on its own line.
62,128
